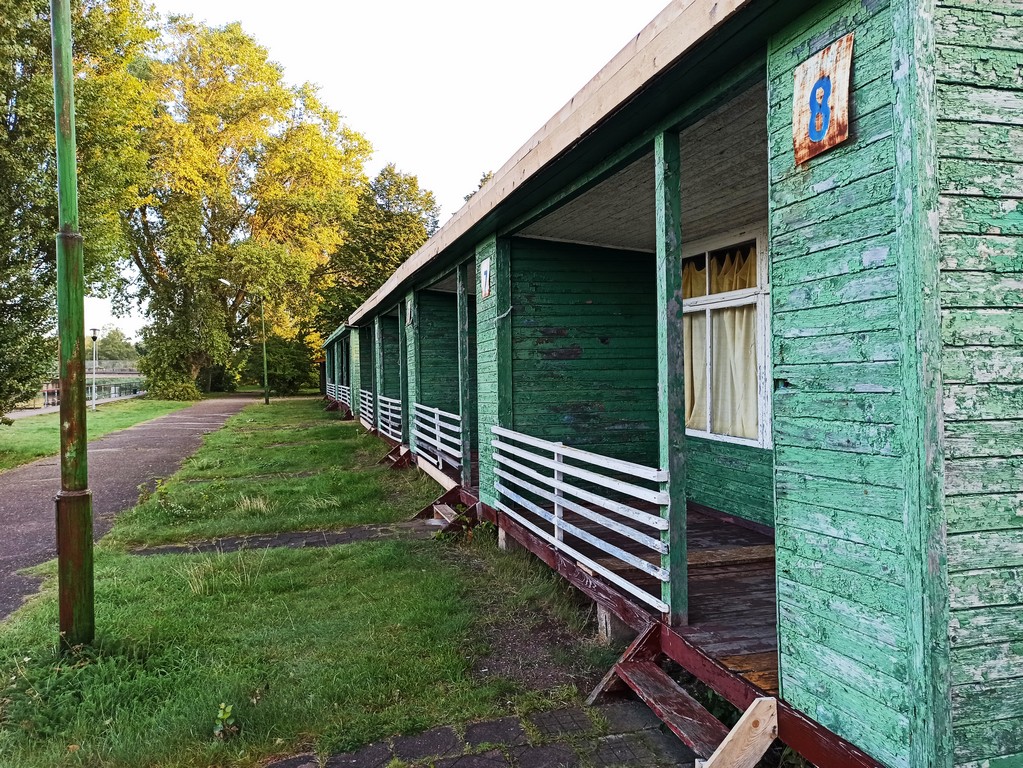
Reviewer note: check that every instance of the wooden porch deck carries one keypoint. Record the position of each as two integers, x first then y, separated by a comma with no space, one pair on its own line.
732,596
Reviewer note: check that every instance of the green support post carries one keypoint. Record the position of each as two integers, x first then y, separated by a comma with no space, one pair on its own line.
378,368
406,410
670,370
464,375
74,502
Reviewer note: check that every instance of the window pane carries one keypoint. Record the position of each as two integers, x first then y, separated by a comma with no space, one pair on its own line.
734,397
694,340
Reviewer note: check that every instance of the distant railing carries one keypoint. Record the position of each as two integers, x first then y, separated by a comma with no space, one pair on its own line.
587,508
438,436
366,405
332,391
110,391
390,417
344,394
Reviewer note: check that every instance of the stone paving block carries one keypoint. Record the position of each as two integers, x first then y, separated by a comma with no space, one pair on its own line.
669,747
629,749
628,716
298,761
507,731
562,722
553,756
439,742
373,756
493,759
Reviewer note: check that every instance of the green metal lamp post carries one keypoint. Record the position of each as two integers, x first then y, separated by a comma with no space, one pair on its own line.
74,502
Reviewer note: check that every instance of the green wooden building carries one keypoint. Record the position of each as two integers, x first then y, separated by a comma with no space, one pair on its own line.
735,344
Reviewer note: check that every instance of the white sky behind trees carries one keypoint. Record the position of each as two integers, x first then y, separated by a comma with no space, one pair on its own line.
445,89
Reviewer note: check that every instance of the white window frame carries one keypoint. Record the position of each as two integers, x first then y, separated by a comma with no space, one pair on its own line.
761,298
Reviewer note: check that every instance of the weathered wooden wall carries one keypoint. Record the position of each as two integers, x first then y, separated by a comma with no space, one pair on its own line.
355,363
438,350
584,354
367,360
390,382
735,479
980,170
843,596
494,382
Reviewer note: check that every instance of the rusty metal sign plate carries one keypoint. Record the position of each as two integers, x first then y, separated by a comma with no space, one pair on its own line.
820,107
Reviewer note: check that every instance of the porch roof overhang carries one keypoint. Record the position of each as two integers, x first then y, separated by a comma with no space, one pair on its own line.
339,331
591,126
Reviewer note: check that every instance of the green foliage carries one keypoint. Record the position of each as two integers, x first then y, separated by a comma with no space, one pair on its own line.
484,178
113,345
252,181
223,724
289,365
395,218
110,105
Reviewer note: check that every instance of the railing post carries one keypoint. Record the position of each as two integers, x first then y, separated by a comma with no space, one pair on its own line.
436,436
559,511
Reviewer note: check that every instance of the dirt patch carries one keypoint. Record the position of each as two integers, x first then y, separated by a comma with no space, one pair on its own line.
532,646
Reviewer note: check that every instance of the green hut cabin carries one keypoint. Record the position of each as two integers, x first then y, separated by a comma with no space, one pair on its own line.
735,344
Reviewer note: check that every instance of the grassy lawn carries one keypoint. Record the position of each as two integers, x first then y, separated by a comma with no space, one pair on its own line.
291,466
324,649
35,436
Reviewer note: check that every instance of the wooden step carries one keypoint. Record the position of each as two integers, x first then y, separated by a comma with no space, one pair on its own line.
444,512
684,715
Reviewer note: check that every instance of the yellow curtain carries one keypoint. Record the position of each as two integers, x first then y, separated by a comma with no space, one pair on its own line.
733,385
694,340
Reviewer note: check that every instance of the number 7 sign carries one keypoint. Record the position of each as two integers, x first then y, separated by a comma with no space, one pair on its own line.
820,107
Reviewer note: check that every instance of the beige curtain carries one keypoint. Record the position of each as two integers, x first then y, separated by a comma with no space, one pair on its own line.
733,395
694,340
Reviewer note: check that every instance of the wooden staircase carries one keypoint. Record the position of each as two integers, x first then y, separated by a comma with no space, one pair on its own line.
445,511
399,457
638,669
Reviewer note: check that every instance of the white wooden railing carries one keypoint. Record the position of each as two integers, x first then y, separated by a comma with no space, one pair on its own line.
390,417
344,394
332,391
539,481
366,406
438,436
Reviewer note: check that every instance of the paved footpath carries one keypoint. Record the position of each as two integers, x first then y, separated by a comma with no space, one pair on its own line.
623,734
118,464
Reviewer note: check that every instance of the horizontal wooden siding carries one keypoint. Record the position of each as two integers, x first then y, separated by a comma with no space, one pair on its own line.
841,556
980,169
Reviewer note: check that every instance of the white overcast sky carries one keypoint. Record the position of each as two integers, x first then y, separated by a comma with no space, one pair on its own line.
445,89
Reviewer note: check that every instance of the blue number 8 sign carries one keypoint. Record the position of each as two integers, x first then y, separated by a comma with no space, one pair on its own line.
820,109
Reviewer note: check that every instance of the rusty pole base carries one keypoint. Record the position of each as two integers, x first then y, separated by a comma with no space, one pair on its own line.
74,568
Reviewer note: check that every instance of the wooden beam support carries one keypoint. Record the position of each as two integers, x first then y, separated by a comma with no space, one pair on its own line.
378,367
466,396
670,369
502,286
406,409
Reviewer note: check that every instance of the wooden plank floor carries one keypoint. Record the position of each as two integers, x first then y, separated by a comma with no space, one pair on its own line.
732,597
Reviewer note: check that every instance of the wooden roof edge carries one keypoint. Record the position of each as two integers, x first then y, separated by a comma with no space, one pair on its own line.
672,33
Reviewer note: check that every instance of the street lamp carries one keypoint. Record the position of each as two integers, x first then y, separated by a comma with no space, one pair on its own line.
95,362
262,324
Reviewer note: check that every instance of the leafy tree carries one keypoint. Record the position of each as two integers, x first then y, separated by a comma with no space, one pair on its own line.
111,104
289,364
252,181
113,345
395,218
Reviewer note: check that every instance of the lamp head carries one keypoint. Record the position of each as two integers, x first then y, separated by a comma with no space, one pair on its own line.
95,333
